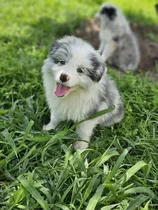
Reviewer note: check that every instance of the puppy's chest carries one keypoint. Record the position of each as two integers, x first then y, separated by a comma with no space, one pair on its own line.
106,35
73,109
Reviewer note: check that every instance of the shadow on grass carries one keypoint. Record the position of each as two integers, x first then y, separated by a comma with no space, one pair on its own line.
43,32
27,52
46,30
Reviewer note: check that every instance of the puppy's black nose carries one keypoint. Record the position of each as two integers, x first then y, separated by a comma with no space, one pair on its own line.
64,77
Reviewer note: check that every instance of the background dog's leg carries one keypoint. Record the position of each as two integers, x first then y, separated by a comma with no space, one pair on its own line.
101,48
53,122
109,50
84,131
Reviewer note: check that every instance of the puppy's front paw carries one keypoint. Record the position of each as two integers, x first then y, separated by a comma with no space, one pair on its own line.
48,127
80,145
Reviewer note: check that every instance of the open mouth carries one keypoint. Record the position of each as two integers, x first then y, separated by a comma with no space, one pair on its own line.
61,90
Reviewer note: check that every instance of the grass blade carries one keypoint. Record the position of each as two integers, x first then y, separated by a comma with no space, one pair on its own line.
109,207
106,156
96,197
146,207
3,111
28,128
32,190
137,202
130,172
116,166
68,190
10,140
98,114
17,196
102,112
62,207
89,189
135,190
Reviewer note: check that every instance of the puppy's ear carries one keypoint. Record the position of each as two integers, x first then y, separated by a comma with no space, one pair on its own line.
98,68
101,69
55,46
109,11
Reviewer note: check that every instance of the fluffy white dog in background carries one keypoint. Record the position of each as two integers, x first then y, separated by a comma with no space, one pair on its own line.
118,44
77,86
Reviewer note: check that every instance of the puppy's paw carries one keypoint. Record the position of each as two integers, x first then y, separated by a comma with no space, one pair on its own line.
48,127
80,145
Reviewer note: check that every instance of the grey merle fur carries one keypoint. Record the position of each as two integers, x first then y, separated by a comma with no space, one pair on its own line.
86,96
96,64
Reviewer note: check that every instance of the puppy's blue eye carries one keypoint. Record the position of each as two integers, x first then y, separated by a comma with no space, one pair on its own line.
79,70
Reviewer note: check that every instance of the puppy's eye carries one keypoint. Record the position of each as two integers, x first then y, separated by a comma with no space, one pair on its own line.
60,62
79,70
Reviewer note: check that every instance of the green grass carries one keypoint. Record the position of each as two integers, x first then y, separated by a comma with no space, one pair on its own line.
152,36
40,170
142,12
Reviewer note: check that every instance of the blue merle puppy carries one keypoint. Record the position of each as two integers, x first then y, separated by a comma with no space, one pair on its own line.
118,44
77,85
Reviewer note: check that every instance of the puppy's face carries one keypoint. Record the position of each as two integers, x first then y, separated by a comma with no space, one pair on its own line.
74,64
107,12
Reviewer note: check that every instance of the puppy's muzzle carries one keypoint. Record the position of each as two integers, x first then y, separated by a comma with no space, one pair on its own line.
64,78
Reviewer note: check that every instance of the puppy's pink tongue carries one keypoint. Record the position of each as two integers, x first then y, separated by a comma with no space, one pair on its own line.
61,90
